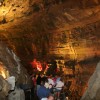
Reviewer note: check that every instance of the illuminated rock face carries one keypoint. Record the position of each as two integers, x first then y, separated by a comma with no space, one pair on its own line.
10,66
93,90
16,9
45,29
77,43
41,29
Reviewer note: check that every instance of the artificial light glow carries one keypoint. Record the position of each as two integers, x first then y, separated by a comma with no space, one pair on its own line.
2,72
72,52
39,67
36,64
0,3
3,10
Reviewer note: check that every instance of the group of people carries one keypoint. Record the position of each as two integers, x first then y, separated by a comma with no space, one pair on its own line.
47,87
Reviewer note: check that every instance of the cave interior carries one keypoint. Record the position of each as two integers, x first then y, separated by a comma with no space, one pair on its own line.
50,37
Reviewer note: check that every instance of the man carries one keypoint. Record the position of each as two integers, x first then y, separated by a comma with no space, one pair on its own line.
38,81
43,91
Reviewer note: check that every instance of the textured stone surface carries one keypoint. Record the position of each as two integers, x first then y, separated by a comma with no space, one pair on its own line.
10,66
46,29
17,94
93,90
5,87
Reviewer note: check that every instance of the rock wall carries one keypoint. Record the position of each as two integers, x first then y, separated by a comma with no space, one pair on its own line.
93,90
43,29
10,66
4,88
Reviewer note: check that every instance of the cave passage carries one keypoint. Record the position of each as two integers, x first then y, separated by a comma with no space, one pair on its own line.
49,49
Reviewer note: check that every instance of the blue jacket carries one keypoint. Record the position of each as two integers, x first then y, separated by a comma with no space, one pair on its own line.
43,92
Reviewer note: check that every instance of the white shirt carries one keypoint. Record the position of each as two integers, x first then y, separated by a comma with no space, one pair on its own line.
50,81
59,85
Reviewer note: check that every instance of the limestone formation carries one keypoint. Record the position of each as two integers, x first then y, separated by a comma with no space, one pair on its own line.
46,29
4,88
93,90
10,67
17,94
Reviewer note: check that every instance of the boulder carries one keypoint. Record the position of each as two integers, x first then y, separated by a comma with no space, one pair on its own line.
17,94
4,88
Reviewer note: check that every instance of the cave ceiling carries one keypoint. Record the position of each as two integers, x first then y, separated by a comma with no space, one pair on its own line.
65,29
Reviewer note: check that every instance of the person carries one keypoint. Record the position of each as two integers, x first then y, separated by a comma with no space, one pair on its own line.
59,84
44,78
50,81
38,81
58,87
33,89
57,78
50,97
43,91
34,80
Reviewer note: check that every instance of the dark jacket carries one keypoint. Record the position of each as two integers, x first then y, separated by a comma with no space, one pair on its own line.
38,81
43,92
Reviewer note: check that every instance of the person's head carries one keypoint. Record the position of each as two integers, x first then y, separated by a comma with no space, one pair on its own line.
46,85
50,97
